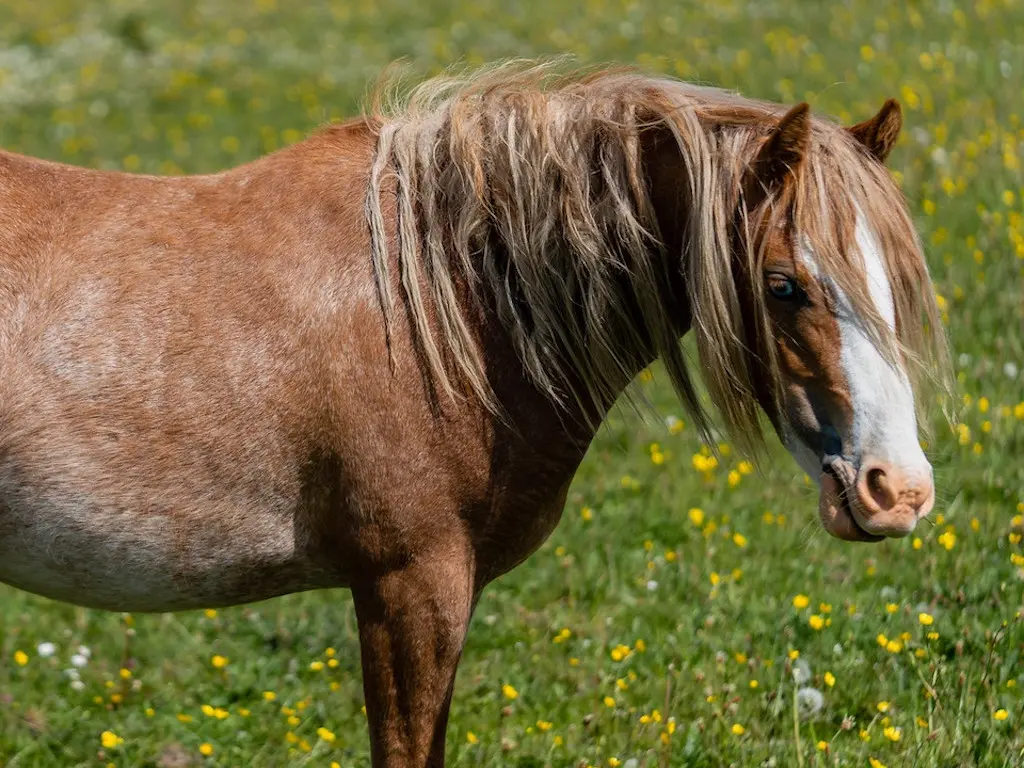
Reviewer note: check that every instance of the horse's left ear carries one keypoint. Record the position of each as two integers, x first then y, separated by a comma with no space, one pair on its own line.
879,134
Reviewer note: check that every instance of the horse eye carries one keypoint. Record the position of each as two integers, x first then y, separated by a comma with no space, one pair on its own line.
782,287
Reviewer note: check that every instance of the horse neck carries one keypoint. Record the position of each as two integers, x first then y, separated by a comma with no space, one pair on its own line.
669,197
578,418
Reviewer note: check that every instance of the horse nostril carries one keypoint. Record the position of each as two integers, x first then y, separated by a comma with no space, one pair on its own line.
881,489
890,499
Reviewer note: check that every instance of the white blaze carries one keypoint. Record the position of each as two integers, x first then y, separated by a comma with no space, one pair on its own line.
884,424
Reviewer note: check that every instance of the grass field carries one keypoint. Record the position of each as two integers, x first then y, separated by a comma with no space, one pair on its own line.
682,614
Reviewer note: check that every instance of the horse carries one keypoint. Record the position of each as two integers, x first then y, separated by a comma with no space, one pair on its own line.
375,359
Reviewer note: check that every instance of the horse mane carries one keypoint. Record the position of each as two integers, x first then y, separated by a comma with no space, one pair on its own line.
527,183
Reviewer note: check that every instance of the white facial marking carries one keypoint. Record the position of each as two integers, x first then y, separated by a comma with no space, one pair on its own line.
884,424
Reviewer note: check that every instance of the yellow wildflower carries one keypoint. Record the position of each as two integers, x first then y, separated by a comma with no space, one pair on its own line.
620,652
110,740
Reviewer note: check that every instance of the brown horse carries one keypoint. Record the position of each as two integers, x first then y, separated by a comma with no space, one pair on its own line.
376,358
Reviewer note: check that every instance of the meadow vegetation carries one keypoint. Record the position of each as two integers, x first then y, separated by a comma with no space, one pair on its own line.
688,611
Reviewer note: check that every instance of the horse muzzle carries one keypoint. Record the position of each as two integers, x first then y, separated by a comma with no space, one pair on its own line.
877,500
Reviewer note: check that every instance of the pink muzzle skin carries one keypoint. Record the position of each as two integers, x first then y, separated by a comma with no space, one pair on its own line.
877,501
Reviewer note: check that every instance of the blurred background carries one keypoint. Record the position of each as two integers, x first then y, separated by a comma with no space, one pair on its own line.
688,610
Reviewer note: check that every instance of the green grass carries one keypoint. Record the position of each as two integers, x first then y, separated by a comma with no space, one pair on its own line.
121,84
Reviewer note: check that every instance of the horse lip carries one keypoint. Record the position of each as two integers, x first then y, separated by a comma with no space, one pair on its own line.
842,469
845,475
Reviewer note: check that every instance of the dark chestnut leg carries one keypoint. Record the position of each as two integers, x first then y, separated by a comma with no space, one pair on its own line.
412,625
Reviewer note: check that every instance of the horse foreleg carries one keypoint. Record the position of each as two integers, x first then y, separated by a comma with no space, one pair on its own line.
412,625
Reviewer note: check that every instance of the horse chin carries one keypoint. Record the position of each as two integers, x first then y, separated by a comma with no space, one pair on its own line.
835,513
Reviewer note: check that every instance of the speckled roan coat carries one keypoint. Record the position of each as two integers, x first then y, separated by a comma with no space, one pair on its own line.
200,406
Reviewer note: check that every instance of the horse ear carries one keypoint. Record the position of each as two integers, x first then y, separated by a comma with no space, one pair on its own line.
879,134
781,154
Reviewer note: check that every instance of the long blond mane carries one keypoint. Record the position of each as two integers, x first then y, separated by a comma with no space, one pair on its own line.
527,184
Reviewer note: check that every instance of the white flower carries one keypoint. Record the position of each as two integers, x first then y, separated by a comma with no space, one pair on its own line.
801,671
652,585
77,685
83,650
71,673
79,660
1010,369
46,650
809,701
